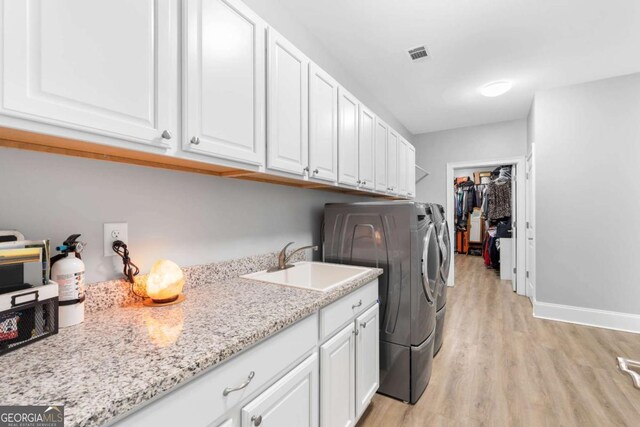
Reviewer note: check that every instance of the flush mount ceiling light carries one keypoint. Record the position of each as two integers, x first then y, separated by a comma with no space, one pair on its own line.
498,88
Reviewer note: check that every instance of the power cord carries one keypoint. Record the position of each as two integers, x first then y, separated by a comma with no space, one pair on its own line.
130,270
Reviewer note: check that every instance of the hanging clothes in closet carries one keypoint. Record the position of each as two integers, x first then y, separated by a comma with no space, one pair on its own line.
466,199
497,210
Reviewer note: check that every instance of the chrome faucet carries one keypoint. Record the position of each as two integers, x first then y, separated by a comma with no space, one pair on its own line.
283,258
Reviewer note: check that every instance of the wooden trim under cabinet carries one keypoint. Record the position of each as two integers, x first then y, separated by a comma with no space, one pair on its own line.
24,140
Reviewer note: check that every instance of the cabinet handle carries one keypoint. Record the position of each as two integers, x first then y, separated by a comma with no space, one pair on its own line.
316,171
364,182
195,140
364,325
359,182
356,305
230,390
166,134
356,332
306,169
256,420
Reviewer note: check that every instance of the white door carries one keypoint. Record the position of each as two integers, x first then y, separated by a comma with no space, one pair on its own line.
514,234
323,125
291,401
392,162
403,155
337,376
105,67
366,145
411,171
347,138
224,92
530,248
367,358
381,139
287,106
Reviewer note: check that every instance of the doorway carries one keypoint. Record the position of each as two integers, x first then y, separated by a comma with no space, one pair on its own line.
514,264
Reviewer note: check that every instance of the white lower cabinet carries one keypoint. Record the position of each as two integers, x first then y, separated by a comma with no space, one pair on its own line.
367,358
292,401
349,359
323,370
337,379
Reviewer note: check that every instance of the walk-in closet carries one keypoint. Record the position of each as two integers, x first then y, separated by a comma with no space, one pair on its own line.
484,209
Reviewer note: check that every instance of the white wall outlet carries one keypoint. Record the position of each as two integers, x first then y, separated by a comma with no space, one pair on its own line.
114,231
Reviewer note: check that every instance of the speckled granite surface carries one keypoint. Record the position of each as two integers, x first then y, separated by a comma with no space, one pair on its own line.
117,293
122,356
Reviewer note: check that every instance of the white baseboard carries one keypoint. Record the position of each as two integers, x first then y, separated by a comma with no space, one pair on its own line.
587,316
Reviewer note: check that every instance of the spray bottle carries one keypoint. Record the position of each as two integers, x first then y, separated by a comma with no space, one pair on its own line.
67,270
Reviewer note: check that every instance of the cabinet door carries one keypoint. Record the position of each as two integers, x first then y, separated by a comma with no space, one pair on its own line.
367,358
347,138
366,152
105,67
337,377
224,93
323,125
287,106
392,162
291,401
403,152
382,136
411,172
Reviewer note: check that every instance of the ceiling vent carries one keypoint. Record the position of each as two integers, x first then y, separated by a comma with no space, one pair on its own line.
418,54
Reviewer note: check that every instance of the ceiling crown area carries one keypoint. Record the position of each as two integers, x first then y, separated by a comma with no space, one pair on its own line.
535,45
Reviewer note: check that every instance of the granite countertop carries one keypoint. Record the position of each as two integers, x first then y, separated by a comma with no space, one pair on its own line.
123,356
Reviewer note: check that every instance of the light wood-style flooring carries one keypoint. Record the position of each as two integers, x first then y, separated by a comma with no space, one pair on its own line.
499,366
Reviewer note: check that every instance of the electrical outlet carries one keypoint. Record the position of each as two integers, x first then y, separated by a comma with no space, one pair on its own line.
114,231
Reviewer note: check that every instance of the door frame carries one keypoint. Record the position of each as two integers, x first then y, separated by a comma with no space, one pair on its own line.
531,231
520,167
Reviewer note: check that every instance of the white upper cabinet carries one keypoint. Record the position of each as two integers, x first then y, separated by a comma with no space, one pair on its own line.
381,138
366,148
323,125
103,67
392,162
224,83
348,110
403,153
411,172
287,106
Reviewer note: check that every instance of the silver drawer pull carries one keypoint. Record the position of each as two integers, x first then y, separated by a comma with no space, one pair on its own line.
364,325
166,134
356,332
195,140
229,390
256,420
356,305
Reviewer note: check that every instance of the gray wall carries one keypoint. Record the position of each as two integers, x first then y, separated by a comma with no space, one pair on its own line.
188,218
281,19
587,201
476,143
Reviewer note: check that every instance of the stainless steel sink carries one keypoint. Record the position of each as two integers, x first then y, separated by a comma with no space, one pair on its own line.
317,276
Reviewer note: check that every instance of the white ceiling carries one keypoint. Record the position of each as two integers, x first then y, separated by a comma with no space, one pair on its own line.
537,44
